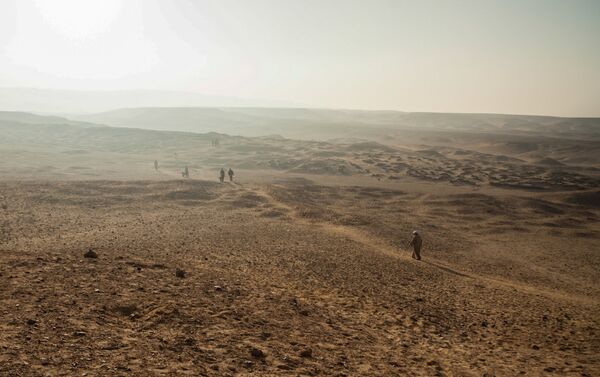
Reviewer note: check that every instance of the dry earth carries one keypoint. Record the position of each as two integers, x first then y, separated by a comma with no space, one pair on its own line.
301,266
294,278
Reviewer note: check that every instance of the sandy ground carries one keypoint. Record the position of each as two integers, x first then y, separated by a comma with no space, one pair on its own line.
287,277
300,267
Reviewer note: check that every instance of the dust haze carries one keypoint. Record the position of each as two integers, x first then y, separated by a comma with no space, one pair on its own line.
127,248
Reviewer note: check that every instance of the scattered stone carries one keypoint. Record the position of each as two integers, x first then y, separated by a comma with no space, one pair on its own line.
306,353
180,273
257,353
265,335
189,342
91,254
126,310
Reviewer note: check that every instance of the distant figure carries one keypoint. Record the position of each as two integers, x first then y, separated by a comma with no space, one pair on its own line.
155,164
230,173
185,173
222,175
416,243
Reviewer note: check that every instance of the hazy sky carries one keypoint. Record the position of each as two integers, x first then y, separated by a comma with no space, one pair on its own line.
531,57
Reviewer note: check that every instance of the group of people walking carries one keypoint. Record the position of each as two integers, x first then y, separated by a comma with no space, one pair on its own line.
222,175
185,173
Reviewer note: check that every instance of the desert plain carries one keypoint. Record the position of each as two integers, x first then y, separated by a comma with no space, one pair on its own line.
300,266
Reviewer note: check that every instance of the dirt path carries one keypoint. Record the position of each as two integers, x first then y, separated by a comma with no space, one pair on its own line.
375,244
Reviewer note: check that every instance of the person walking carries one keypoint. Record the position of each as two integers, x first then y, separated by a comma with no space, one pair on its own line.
155,164
230,173
222,175
416,244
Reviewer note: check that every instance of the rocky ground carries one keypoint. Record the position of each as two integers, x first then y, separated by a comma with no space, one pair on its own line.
291,278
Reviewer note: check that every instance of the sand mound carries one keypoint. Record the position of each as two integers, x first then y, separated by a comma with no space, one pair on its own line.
587,199
369,146
430,153
548,162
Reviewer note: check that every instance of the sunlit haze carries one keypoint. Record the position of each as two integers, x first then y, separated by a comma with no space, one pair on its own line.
525,57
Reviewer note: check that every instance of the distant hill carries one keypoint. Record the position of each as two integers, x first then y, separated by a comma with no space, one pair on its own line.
29,118
324,123
30,130
53,101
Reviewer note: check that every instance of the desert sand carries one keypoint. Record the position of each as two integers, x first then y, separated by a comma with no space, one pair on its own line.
301,266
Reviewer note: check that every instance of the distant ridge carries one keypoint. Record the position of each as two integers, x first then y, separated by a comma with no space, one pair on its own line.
306,123
55,101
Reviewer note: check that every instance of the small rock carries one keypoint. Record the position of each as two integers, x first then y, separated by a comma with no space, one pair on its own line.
306,353
189,342
180,273
535,347
31,322
44,361
257,353
218,288
125,309
265,335
91,254
484,323
79,333
248,364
